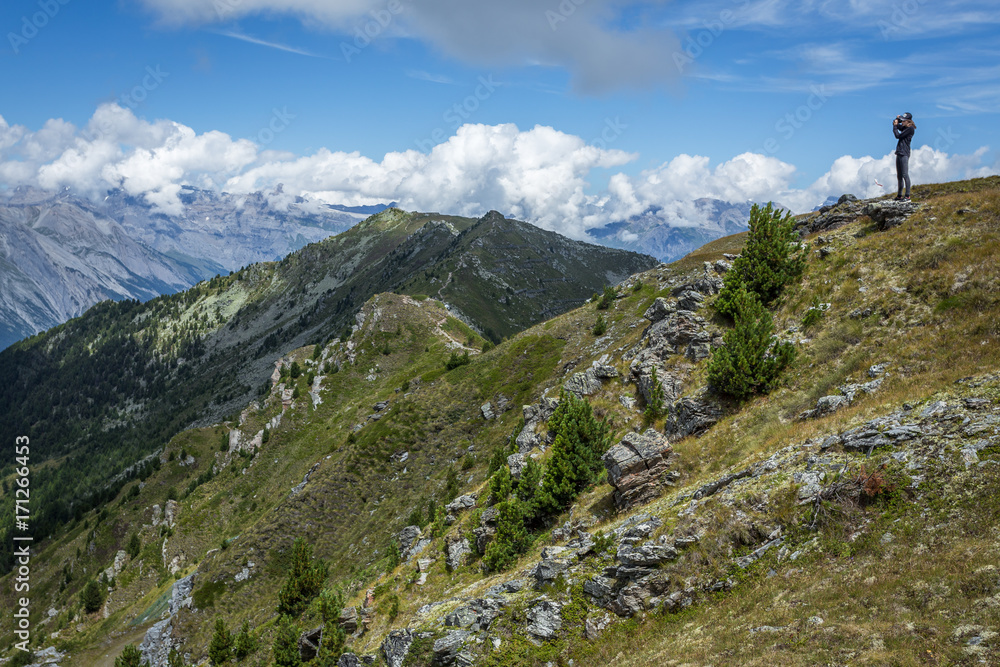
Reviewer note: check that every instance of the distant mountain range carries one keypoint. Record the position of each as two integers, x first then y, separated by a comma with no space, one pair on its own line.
670,235
61,253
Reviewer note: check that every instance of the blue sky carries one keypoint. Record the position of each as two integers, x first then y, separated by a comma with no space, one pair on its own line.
582,109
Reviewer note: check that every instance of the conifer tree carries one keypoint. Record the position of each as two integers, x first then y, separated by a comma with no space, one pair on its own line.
771,259
750,360
285,648
511,538
92,596
305,580
220,648
131,657
134,546
528,490
245,642
580,442
329,604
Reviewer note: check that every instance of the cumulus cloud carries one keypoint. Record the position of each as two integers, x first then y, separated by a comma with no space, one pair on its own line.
540,175
583,37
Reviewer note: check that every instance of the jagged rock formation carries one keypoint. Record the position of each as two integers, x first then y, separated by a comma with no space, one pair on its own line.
637,466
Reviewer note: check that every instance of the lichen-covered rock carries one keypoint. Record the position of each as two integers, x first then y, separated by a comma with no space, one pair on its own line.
395,647
487,410
456,549
309,642
446,648
647,555
545,619
460,504
477,614
888,213
583,384
348,660
670,383
348,620
156,644
516,463
692,415
636,466
660,309
408,537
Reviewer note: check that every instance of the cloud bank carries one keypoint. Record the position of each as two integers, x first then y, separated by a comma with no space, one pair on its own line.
540,175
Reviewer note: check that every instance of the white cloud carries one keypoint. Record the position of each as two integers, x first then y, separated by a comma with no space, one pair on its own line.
540,175
581,37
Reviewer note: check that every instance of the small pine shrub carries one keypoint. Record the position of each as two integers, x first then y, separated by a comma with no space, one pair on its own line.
580,441
245,642
285,649
92,596
607,298
656,407
456,360
130,657
220,648
511,538
750,360
305,580
134,546
771,259
600,326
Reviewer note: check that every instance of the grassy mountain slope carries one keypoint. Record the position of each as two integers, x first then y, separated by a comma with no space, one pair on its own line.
900,570
107,388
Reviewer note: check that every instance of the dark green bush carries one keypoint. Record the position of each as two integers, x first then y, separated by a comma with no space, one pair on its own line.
751,359
771,259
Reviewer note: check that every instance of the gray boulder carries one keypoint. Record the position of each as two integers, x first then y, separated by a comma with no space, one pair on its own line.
456,550
669,382
660,309
446,648
888,214
636,467
516,463
692,415
487,410
647,555
156,644
460,504
395,647
309,642
348,660
545,619
583,384
349,620
408,538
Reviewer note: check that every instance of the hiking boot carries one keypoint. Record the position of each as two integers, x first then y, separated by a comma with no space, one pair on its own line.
897,198
905,199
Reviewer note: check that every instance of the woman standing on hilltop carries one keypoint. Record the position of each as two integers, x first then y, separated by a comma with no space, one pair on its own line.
903,128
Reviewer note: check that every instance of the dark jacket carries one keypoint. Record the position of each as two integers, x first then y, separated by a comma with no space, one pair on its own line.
904,134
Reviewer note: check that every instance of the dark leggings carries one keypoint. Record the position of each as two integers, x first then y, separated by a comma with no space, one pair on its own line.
903,174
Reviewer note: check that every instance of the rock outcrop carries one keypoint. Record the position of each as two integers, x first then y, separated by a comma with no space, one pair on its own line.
636,467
